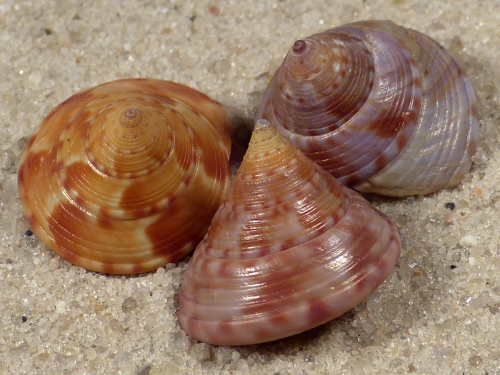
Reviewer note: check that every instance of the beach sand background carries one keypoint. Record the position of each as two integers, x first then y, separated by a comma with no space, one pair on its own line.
437,314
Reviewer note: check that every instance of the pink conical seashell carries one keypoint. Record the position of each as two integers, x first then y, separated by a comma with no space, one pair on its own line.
291,248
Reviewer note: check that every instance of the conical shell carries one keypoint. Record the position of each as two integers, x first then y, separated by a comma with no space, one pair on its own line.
291,248
126,176
383,108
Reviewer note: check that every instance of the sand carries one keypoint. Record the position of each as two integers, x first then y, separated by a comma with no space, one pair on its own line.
437,314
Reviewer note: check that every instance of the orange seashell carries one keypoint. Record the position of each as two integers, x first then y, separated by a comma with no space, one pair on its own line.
289,249
126,177
383,108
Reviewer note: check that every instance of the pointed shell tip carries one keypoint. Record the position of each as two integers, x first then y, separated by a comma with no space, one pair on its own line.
261,123
299,46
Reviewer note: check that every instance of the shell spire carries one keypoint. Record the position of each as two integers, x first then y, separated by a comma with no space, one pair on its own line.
290,248
383,108
126,177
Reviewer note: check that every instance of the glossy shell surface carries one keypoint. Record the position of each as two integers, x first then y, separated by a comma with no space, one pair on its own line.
126,177
291,248
383,108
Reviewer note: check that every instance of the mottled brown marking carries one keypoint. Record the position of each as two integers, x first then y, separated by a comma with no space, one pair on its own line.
225,270
265,251
185,221
350,180
417,82
226,254
78,201
212,166
60,144
211,157
319,312
472,147
81,179
279,319
30,143
205,263
388,126
20,175
380,162
40,161
289,243
275,291
401,141
140,199
344,59
138,268
225,328
474,111
103,220
362,283
34,223
108,268
369,282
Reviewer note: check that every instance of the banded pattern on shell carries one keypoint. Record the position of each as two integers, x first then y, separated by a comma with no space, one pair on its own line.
289,249
126,177
383,108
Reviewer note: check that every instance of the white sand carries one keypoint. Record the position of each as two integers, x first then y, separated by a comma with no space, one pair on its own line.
439,312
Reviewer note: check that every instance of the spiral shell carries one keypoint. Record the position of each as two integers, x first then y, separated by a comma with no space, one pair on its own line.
290,248
125,177
383,108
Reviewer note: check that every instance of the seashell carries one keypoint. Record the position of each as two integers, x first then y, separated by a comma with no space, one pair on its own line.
126,177
289,249
383,108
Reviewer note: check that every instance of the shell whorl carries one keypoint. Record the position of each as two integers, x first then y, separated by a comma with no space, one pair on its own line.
125,177
383,108
289,249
